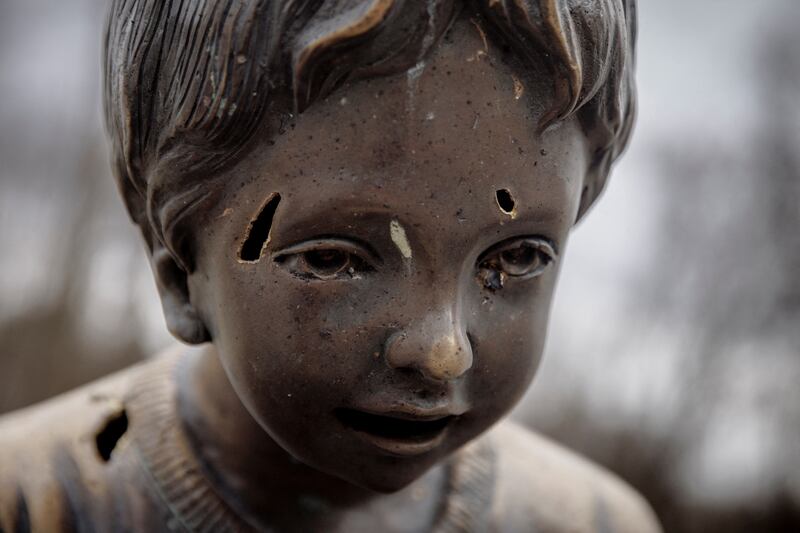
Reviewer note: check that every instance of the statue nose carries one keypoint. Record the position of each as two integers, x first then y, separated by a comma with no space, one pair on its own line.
437,347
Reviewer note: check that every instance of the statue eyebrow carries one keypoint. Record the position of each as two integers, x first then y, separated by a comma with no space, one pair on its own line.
259,231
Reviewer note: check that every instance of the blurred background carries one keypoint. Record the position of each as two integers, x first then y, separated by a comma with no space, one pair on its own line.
673,351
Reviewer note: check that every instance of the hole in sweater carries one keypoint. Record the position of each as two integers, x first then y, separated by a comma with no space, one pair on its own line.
108,437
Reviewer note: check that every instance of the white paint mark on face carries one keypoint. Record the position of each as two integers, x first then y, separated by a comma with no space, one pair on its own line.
399,238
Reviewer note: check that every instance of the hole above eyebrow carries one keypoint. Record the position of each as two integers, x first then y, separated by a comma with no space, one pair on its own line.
505,201
259,230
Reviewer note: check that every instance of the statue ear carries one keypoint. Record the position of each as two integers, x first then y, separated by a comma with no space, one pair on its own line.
183,320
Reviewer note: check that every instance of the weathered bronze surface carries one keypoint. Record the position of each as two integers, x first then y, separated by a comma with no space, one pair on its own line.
363,206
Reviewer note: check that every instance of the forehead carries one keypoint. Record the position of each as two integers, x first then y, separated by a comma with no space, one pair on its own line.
438,140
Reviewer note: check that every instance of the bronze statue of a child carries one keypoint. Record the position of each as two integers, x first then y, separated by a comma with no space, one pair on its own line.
362,205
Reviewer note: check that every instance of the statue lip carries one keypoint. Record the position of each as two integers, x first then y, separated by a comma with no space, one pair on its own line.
412,412
402,430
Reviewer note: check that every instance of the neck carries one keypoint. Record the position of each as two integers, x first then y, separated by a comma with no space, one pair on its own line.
252,470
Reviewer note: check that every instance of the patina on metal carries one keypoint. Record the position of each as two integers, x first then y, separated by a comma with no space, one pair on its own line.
356,211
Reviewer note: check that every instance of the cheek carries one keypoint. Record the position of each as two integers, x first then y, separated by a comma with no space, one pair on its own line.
508,338
280,337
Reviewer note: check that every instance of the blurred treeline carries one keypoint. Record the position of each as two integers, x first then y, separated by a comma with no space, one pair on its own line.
710,320
69,261
673,355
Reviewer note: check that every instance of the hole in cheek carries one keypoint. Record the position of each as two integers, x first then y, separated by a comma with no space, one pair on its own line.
258,232
505,201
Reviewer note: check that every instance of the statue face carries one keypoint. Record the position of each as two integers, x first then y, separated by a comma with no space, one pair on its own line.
399,306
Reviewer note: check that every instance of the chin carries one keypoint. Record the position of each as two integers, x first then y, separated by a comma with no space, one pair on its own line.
387,474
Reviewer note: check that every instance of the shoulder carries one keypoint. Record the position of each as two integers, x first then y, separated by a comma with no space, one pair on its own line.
541,486
53,455
72,419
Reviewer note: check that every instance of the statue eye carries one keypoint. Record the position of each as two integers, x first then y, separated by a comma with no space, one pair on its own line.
522,260
518,258
325,260
325,264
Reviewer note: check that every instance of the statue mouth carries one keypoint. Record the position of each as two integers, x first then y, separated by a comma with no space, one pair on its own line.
398,433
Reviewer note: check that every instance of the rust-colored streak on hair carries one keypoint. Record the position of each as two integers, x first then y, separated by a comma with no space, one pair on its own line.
373,15
359,21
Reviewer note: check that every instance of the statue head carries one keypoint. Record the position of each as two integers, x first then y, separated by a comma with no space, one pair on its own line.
364,203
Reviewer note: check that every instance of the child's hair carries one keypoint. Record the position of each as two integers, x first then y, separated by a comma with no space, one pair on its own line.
190,81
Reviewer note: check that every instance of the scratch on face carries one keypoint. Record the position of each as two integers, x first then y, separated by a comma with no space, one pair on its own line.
416,71
412,79
482,34
519,88
479,54
399,238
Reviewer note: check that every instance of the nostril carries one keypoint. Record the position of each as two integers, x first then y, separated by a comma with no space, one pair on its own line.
471,342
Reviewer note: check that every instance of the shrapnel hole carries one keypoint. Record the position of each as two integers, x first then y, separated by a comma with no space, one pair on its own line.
505,201
258,232
107,438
